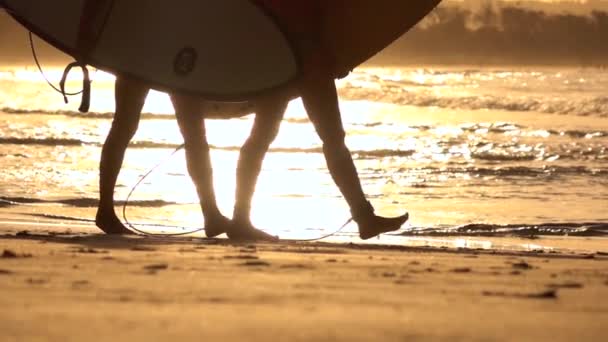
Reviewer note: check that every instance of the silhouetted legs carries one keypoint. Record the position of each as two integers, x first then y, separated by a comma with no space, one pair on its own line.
192,126
269,114
320,99
130,97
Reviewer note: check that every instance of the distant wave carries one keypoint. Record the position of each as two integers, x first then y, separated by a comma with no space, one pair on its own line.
597,106
43,141
76,114
517,230
110,115
78,202
516,171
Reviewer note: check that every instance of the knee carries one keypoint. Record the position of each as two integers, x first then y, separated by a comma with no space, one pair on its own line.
333,140
261,138
124,129
258,143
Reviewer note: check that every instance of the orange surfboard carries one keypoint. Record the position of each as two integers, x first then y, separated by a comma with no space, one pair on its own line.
356,30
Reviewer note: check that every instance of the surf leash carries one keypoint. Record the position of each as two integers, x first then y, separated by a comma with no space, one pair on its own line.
194,230
126,203
86,82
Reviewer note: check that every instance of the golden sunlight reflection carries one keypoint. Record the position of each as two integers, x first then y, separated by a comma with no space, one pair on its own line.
287,179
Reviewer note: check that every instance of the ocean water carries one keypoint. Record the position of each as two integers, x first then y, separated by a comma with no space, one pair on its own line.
466,151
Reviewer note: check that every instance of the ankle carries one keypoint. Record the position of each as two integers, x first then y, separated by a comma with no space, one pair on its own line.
363,213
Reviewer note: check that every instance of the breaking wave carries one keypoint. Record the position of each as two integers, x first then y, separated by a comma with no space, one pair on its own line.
595,106
78,202
599,229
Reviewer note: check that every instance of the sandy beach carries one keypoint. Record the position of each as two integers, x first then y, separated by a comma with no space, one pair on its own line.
76,287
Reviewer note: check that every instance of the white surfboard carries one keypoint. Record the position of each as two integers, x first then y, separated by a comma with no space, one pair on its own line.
209,48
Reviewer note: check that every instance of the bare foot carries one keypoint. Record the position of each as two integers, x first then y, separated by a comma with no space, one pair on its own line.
240,231
110,224
377,225
216,226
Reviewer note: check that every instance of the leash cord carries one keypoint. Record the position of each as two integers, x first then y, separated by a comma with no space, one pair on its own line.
35,55
196,230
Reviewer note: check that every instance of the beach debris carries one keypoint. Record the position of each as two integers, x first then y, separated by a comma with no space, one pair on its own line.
9,254
297,266
156,267
255,263
548,294
566,285
80,283
143,249
461,270
88,250
248,249
521,265
36,281
331,260
242,257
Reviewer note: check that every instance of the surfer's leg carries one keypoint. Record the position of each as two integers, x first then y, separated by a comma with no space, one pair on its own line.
269,113
130,97
192,125
321,102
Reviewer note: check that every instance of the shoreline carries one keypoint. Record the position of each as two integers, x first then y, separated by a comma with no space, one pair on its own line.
13,222
90,286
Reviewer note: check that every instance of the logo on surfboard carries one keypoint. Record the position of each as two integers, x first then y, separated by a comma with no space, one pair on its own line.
185,61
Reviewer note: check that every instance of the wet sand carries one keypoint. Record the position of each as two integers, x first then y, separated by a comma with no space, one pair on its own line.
57,287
